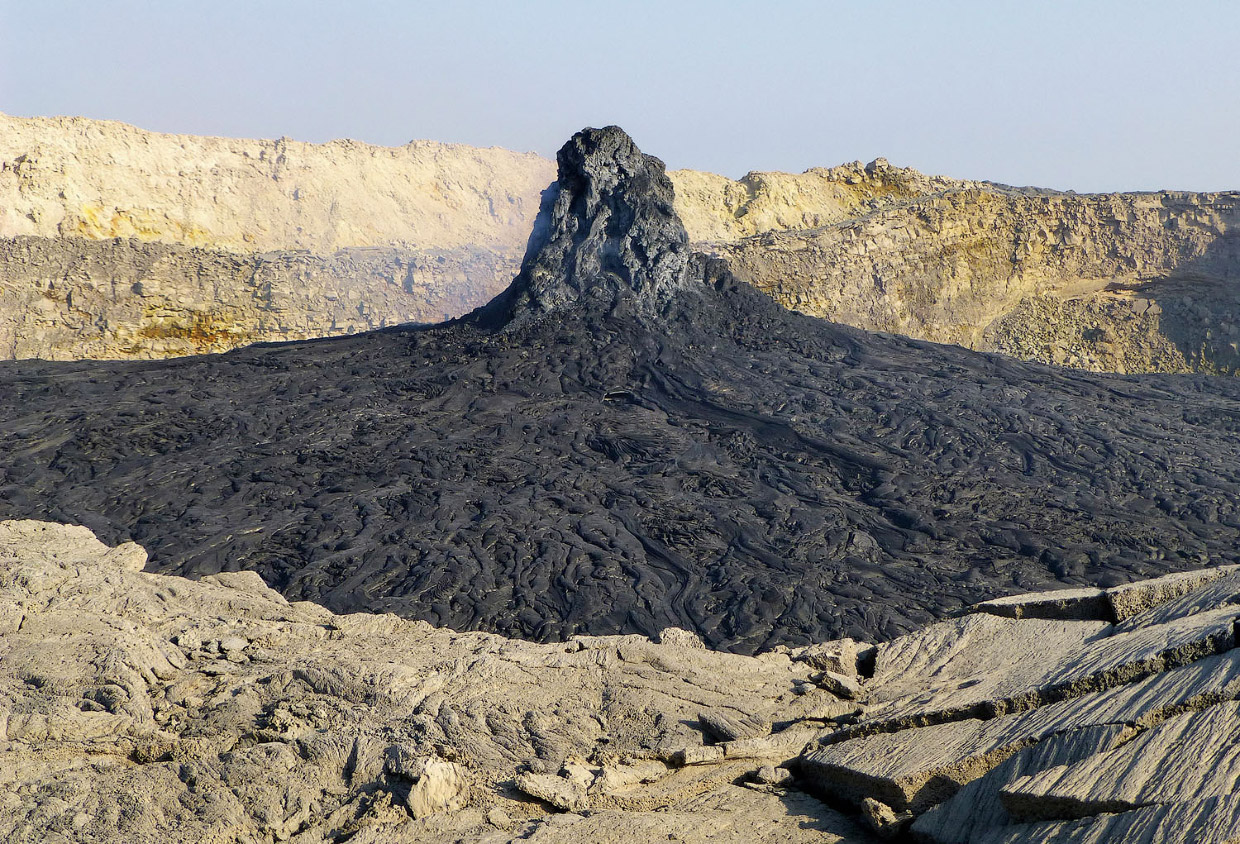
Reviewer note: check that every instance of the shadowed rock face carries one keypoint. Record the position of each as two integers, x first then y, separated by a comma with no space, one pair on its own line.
674,450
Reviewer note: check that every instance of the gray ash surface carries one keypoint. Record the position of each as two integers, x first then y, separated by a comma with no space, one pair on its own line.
629,439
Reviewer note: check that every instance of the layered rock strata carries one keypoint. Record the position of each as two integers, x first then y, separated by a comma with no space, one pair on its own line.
121,243
1068,728
136,706
72,177
126,298
1120,282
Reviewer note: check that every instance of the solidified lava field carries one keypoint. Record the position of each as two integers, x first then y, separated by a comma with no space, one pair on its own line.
726,466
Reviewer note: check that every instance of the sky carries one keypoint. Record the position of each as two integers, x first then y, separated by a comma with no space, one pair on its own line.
1090,95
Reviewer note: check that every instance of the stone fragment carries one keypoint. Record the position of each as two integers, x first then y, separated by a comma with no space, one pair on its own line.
835,710
442,787
770,775
128,555
614,778
840,685
839,656
725,725
498,818
1084,604
579,772
784,744
400,761
883,819
702,755
554,790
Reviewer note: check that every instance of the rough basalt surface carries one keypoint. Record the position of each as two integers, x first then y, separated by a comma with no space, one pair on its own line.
139,707
607,237
692,457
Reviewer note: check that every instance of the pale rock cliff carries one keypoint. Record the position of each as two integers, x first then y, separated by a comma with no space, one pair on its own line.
717,209
69,176
121,243
65,300
1114,282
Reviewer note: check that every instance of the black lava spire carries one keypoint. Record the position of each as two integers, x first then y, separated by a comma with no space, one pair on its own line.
606,236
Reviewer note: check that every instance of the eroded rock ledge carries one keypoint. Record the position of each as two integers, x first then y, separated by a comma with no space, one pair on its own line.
137,706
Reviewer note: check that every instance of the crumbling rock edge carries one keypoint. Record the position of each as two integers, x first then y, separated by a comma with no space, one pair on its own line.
135,705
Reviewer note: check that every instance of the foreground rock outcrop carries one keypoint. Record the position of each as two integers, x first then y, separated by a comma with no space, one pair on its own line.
626,443
139,707
136,707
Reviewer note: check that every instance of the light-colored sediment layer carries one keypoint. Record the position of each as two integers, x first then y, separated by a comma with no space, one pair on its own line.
70,176
65,300
1097,282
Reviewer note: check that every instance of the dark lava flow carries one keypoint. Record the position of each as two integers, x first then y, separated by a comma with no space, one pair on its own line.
630,439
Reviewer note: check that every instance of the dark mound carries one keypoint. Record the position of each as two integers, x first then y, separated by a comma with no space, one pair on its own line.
629,439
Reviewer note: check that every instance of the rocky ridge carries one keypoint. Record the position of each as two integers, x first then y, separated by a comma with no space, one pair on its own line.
100,180
135,706
1119,283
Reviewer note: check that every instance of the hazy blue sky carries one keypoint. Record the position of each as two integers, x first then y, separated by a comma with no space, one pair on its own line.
1083,95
